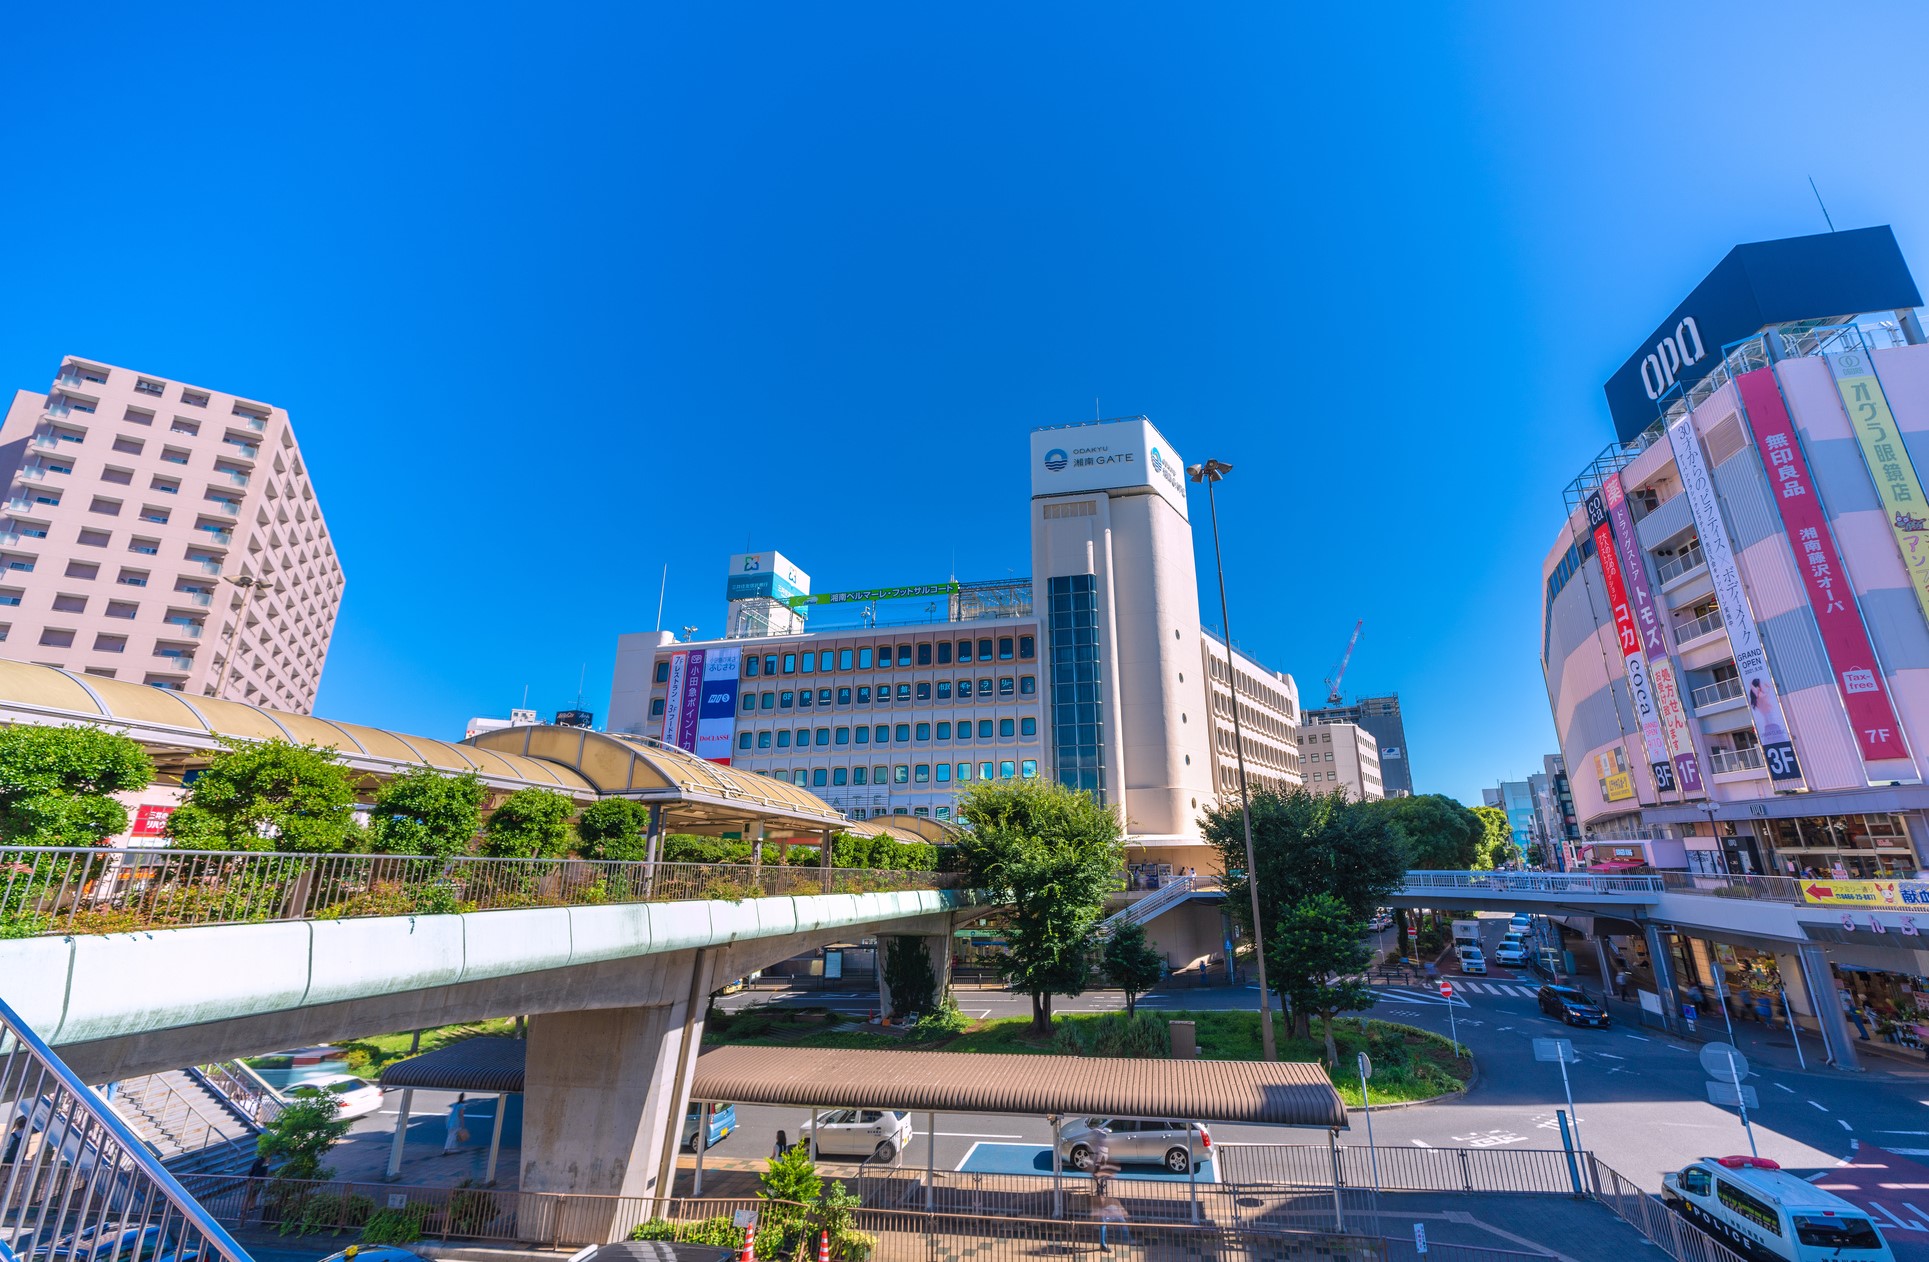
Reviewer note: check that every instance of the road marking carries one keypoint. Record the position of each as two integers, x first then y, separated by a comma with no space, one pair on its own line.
975,1135
1637,1038
1845,1125
968,1154
1610,1056
1421,1143
1791,1091
1910,1152
1902,1132
1813,1105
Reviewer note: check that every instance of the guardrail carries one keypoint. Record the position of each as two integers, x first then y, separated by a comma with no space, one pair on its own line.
50,890
1534,883
1543,1171
1677,1237
82,1183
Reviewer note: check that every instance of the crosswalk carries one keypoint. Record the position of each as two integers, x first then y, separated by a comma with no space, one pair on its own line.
1495,988
1462,988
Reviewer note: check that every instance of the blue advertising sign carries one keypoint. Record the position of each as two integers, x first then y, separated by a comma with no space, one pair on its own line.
763,585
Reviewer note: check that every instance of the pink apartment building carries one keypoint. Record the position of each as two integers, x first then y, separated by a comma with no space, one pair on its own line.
150,525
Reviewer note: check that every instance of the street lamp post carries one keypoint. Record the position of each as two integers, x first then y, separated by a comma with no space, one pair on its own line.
1210,473
249,586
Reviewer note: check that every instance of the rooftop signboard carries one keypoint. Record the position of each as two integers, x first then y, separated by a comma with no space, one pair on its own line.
1120,455
1759,285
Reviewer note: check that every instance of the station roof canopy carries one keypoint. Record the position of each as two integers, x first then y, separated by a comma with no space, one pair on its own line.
1271,1094
1266,1093
181,730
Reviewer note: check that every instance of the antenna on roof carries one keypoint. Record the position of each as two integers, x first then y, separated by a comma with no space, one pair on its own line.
661,589
1096,414
1818,201
581,675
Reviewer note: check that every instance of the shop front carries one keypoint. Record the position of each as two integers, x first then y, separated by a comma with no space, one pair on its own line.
1842,846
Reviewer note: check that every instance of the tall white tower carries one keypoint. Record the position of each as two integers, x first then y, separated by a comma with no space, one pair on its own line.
1117,591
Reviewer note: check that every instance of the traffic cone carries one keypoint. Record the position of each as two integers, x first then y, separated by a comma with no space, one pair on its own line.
824,1246
750,1242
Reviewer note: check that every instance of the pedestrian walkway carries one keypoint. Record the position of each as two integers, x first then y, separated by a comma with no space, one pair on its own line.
1773,1046
1518,990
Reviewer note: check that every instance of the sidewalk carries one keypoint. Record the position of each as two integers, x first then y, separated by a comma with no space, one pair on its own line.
1772,1046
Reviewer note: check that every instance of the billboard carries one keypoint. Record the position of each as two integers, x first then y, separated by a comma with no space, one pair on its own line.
1758,285
673,703
1908,895
1118,455
150,820
1634,659
1845,639
764,575
1889,465
690,707
717,710
948,588
1616,784
1751,658
1662,684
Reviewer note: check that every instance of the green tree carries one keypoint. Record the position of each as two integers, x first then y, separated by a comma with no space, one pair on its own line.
301,1134
1436,832
530,824
55,784
426,812
907,972
1497,838
269,795
1052,855
1129,960
614,828
1317,956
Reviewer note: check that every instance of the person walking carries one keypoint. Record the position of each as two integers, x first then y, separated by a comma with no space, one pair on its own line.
1854,1013
256,1173
19,1132
1621,984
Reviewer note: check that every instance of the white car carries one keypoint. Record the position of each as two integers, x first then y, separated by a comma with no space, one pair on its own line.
355,1097
1382,919
1512,952
1472,961
1520,924
879,1133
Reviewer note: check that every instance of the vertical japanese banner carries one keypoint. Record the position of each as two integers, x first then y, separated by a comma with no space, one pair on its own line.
1891,469
692,707
1845,638
673,704
717,718
1668,706
1634,658
1744,638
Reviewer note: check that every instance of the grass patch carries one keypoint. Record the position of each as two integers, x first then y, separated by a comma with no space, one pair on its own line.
1408,1063
366,1058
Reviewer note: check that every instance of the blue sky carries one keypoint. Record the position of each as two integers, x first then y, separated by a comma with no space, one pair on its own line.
558,295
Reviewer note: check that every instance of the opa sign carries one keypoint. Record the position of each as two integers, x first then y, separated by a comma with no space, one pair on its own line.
1670,355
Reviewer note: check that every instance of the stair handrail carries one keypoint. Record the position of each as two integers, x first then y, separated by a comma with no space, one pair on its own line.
1170,894
89,1168
246,1091
213,1132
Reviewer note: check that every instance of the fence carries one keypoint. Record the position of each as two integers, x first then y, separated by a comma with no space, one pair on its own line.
81,1183
1543,1171
1678,1237
59,890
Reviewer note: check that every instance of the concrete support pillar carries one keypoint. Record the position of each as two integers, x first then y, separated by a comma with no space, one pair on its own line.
824,860
937,948
605,1095
756,852
1818,986
937,952
394,1170
654,836
1663,965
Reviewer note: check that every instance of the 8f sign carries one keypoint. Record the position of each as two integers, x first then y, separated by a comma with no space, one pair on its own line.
1670,355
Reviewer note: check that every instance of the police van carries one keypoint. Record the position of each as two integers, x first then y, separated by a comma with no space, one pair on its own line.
1761,1211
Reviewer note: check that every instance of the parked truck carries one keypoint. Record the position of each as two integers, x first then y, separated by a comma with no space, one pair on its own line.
1466,931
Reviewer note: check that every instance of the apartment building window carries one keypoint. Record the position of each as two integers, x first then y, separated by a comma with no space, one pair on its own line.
105,643
10,596
64,603
56,638
132,578
194,398
143,385
128,446
153,515
182,425
93,538
105,507
75,569
49,498
656,707
174,455
122,608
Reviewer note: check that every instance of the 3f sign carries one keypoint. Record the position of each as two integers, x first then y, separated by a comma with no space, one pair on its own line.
1670,355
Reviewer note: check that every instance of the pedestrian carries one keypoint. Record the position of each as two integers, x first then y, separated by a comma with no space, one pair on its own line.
1854,1013
256,1173
457,1134
781,1146
1621,984
1692,994
1111,1214
19,1132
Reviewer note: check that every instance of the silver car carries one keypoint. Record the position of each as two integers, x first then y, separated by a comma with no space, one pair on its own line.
1121,1141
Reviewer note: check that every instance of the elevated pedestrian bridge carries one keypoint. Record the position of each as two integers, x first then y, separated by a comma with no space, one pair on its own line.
137,961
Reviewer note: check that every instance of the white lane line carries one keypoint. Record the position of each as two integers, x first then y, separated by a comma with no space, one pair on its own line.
985,1013
1845,1125
1813,1105
1910,1152
1902,1132
967,1157
1421,1143
1637,1038
1791,1091
974,1135
1610,1056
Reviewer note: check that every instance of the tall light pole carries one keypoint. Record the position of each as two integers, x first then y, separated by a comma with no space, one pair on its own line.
1210,473
249,586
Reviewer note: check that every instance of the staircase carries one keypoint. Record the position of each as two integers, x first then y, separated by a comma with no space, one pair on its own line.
1157,903
189,1125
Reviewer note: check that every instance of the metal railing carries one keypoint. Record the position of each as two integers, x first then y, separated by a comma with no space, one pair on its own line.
1720,760
1544,1171
1533,883
1169,895
1768,889
1719,691
244,1089
174,1115
62,890
1680,563
1677,1237
1706,624
82,1183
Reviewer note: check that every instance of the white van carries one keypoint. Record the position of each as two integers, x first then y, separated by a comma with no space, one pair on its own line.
1761,1211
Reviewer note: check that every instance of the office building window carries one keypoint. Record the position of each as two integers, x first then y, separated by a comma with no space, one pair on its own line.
823,696
944,690
783,739
880,775
921,774
984,686
1006,685
858,776
843,736
1077,713
763,740
797,777
863,735
863,696
1025,648
803,699
750,664
944,812
944,652
964,772
770,664
838,776
1007,769
823,736
656,707
984,770
843,659
864,659
820,777
663,672
924,731
843,696
883,734
903,733
790,663
984,729
769,700
901,774
904,692
1007,727
984,650
944,731
1029,769
785,700
964,730
749,702
1027,685
743,740
964,690
964,650
924,692
803,738
1028,726
1004,648
924,654
944,772
807,663
904,655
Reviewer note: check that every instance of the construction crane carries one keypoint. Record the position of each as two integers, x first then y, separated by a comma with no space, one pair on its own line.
1339,672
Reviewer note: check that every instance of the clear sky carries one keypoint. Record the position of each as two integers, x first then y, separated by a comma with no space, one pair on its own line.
556,295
